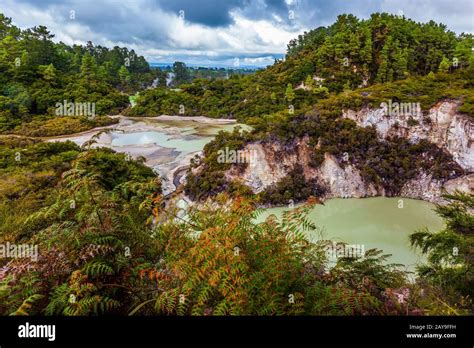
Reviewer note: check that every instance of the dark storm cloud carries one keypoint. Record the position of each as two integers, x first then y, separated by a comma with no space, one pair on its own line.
207,12
213,30
212,13
113,20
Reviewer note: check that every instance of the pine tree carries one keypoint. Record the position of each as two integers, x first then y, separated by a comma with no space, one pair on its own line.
88,67
48,72
309,83
273,97
400,57
354,46
382,73
444,65
25,71
366,56
76,62
124,75
289,93
463,51
181,73
450,252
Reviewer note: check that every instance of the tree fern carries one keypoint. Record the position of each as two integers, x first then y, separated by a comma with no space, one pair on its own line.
27,304
97,268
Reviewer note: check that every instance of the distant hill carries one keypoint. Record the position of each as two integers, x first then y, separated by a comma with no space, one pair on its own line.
169,66
347,55
300,106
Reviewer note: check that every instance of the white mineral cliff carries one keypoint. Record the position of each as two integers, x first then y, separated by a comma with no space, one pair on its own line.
442,126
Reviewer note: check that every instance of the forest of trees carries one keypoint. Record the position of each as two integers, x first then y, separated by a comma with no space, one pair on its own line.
186,74
349,54
383,48
390,162
36,73
110,243
109,246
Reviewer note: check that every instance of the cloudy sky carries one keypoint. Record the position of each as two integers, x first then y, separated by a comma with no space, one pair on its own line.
213,32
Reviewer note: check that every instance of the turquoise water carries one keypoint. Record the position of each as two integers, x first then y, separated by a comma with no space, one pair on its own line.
374,223
381,222
191,136
185,144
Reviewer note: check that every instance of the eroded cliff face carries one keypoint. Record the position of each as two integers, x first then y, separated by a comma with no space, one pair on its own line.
272,162
345,182
426,188
442,125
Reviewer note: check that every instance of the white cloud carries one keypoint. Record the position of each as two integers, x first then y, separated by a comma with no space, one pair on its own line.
254,33
458,15
153,32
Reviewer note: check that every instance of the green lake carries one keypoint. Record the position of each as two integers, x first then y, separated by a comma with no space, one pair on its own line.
372,222
380,222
